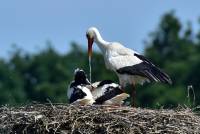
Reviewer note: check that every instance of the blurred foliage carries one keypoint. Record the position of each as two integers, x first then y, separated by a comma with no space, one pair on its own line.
46,75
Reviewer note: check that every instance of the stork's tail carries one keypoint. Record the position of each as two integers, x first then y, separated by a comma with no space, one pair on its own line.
157,75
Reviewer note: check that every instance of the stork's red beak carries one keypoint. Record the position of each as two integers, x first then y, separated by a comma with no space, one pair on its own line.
90,42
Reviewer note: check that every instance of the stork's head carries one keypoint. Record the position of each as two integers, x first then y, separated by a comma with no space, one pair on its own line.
91,36
80,77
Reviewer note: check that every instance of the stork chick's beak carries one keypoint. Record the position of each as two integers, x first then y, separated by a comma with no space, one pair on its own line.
90,42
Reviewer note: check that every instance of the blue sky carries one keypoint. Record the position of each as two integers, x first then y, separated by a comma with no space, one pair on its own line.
30,24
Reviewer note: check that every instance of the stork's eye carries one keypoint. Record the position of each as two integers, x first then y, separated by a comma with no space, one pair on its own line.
87,35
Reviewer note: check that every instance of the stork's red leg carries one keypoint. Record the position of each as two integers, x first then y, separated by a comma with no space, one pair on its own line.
133,96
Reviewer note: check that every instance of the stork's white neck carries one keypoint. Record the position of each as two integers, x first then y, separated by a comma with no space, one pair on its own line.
102,44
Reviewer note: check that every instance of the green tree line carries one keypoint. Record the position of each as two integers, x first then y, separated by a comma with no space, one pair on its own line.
45,75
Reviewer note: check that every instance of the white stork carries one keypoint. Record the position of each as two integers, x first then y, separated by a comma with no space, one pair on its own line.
77,91
130,66
106,92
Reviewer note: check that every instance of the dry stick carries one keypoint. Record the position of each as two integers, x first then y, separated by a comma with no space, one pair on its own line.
190,87
51,104
138,120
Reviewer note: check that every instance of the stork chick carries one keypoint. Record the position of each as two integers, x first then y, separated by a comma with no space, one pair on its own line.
77,92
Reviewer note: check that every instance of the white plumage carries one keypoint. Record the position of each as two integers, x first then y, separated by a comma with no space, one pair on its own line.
82,96
98,91
109,93
130,66
117,57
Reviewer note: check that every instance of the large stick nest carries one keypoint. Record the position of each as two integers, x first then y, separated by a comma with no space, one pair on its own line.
60,118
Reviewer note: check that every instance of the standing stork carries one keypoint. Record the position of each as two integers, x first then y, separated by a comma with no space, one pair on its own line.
130,66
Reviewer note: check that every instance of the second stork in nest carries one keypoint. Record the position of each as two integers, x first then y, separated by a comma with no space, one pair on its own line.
106,92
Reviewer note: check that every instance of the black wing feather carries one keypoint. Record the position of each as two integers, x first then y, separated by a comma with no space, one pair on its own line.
77,94
146,69
112,92
104,82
